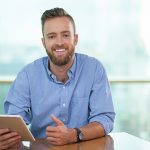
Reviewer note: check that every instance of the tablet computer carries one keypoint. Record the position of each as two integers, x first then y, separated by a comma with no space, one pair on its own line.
17,124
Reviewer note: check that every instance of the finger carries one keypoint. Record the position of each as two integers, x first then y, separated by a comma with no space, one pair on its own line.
53,134
57,121
7,136
52,139
52,129
13,144
3,131
56,143
11,140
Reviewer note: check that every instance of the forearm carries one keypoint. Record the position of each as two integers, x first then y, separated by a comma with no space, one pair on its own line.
92,130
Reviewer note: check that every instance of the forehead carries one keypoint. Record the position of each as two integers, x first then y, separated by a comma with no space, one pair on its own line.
58,24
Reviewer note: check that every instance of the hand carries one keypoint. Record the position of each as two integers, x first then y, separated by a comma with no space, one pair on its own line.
9,139
60,134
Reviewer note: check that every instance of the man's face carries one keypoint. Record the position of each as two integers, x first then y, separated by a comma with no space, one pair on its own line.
59,40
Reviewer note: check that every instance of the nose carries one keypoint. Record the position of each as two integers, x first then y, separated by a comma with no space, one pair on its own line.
59,40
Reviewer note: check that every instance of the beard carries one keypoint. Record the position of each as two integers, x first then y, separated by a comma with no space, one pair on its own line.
62,60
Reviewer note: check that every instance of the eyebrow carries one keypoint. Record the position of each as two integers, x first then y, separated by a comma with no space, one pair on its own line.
52,33
65,32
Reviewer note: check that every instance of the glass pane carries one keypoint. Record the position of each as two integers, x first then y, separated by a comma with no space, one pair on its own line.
132,103
117,32
4,87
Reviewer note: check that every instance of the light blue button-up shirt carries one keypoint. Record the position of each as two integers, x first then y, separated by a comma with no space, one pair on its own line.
85,97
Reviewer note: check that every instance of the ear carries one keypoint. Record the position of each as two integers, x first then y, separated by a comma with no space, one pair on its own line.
76,39
43,42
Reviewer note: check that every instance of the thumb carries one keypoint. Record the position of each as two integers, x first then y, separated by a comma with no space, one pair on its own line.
57,121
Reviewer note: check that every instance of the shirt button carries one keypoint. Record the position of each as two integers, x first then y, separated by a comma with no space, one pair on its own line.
64,87
64,120
64,105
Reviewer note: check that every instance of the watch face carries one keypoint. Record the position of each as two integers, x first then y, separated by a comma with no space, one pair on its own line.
81,136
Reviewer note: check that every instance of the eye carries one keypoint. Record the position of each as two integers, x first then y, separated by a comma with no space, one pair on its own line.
66,35
51,37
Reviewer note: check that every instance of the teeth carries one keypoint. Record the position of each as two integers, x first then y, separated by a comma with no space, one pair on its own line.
60,50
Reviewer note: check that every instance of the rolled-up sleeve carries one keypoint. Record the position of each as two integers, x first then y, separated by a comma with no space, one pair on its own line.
101,104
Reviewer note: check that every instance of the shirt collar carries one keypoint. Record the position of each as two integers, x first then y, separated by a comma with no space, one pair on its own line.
71,71
73,67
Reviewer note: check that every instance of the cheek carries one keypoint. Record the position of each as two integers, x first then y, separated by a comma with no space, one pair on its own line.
48,45
71,43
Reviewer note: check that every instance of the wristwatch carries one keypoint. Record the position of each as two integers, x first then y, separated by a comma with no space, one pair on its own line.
80,135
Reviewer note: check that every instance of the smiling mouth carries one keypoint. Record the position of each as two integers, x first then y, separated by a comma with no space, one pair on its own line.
60,50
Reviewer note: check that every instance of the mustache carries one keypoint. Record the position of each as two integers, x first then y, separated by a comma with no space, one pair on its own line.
58,47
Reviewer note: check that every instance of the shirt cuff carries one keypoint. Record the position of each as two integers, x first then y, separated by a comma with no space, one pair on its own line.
107,125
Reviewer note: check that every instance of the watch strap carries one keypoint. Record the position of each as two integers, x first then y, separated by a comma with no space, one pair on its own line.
78,131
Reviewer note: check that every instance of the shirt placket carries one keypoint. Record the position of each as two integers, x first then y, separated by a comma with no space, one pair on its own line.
64,104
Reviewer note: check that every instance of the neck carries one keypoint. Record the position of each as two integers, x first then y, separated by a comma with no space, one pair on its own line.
61,71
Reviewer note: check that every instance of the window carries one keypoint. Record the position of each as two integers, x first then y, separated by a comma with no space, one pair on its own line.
114,31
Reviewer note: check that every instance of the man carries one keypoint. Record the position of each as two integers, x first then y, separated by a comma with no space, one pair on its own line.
66,96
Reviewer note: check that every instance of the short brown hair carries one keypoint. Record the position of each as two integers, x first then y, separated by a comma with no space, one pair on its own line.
56,12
